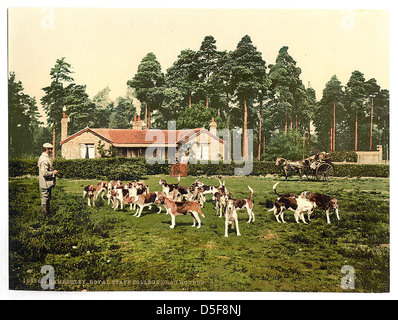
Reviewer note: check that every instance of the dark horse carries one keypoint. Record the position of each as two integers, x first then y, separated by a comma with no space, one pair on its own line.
290,166
299,166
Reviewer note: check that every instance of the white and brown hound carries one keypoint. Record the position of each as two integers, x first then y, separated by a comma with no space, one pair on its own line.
89,192
196,194
239,204
111,186
231,217
221,199
117,196
169,189
324,202
204,189
175,208
92,192
135,189
297,205
145,200
291,202
100,189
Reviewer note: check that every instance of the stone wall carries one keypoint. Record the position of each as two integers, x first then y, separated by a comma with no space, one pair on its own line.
371,157
71,148
215,148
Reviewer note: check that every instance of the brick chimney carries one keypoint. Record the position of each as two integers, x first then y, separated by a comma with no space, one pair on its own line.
137,123
64,125
213,127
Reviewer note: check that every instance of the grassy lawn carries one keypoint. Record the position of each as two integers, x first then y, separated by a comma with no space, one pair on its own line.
99,248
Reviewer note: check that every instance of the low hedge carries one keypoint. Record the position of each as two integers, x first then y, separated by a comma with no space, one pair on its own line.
135,168
361,170
103,168
341,156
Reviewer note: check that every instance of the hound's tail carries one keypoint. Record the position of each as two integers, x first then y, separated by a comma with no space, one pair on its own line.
274,188
200,212
251,192
272,209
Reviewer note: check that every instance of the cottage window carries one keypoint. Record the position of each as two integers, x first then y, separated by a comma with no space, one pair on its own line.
204,152
87,151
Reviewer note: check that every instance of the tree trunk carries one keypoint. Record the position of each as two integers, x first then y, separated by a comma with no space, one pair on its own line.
245,146
309,137
334,126
149,118
207,97
229,137
54,142
263,144
146,116
356,132
371,125
259,133
286,121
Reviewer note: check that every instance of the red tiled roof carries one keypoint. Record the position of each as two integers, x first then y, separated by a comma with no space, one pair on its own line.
83,131
189,138
131,136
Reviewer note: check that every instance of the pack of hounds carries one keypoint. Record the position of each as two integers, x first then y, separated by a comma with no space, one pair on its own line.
180,200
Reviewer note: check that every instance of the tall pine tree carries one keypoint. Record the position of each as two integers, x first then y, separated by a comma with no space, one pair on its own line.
286,88
248,74
183,75
332,97
207,62
149,85
23,119
63,92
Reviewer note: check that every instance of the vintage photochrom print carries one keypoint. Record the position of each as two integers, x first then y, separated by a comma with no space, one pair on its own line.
200,150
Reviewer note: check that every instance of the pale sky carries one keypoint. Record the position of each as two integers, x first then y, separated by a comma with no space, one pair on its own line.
105,46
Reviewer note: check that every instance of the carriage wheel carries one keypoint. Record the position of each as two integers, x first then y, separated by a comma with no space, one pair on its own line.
324,172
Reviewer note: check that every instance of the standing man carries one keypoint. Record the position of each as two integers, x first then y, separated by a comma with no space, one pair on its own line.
184,164
47,177
184,158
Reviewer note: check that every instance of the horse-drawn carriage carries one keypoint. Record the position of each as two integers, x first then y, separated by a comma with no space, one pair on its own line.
316,167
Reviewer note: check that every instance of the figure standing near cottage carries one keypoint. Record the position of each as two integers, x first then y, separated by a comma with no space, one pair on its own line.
47,177
184,158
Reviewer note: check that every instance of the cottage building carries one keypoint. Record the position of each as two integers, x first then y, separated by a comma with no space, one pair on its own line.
200,143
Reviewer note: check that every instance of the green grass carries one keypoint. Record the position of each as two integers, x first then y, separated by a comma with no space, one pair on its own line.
112,250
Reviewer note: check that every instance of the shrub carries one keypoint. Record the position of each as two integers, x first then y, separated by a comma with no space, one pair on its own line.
127,171
288,145
136,168
341,156
69,231
361,170
21,167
